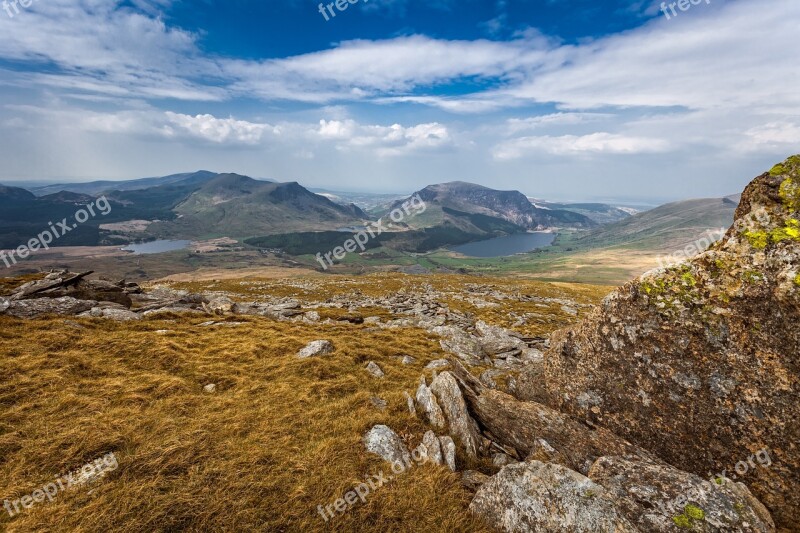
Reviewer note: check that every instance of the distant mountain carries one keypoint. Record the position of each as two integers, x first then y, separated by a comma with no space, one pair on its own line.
597,212
472,207
669,227
96,188
238,206
13,195
194,205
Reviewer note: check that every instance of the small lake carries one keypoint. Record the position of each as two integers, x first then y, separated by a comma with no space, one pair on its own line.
156,247
505,246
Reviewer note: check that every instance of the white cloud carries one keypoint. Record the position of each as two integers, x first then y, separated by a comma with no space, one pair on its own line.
394,140
570,145
220,130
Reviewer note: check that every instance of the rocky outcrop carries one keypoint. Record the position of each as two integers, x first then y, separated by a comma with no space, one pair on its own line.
547,498
461,425
699,362
429,405
658,498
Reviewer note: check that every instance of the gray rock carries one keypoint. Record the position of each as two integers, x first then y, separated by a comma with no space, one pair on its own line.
120,315
408,360
220,305
655,496
538,497
316,348
461,425
5,303
501,459
65,305
312,316
384,442
460,343
375,370
211,388
380,403
410,404
437,363
496,340
473,480
448,452
431,448
429,406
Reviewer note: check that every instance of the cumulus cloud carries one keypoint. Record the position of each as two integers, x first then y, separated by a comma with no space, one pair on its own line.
595,143
220,130
394,140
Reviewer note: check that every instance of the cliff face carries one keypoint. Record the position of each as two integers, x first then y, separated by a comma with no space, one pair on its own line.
698,363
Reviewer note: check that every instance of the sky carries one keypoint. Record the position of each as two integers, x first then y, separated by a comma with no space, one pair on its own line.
563,100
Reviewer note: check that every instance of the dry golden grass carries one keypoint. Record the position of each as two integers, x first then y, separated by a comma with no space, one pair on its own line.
279,437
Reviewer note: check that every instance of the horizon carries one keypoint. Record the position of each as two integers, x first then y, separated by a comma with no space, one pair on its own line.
620,201
543,97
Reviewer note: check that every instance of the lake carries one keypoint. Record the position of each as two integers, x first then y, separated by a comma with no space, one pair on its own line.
504,246
156,247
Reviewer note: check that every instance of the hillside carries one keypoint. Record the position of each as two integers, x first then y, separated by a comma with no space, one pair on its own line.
668,227
95,188
237,206
456,202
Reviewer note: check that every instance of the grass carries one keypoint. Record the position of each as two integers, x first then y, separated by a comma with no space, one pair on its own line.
278,438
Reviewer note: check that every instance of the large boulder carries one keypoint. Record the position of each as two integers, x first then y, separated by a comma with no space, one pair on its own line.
658,498
538,497
699,362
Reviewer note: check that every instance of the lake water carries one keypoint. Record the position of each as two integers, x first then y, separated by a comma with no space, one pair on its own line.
156,247
504,246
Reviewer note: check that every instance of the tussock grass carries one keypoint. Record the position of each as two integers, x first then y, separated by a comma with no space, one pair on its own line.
279,437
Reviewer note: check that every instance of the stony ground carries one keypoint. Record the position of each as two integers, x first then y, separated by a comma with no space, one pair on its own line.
218,425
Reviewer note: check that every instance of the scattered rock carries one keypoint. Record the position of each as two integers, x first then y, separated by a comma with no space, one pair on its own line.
461,424
384,442
219,306
408,360
65,305
432,448
437,363
448,452
380,403
410,404
496,340
375,370
316,348
429,406
211,388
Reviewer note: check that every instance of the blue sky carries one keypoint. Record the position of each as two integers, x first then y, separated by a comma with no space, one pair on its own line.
565,100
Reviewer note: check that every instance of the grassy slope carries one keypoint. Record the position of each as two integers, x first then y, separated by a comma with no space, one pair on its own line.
280,436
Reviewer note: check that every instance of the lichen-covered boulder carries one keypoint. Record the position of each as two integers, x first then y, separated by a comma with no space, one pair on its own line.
699,362
540,497
658,497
